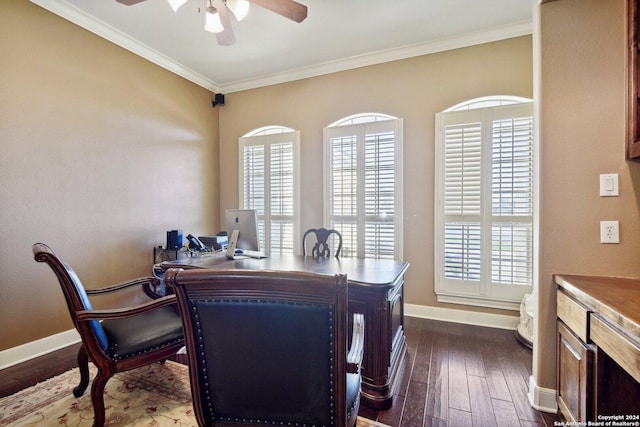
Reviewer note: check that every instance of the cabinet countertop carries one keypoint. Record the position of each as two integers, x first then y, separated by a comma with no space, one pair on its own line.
615,298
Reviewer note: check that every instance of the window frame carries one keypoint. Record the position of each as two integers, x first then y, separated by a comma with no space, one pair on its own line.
358,126
266,137
483,292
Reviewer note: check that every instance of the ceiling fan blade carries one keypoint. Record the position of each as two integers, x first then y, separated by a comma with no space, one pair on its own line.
130,2
226,37
287,8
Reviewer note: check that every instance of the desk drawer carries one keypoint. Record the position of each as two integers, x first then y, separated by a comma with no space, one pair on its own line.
574,315
619,347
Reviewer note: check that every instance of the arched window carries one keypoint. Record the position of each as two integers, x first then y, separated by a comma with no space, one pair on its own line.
488,102
363,184
484,202
269,183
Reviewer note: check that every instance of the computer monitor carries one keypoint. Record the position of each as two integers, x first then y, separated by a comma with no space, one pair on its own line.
245,221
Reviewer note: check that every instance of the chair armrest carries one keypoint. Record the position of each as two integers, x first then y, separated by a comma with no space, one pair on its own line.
356,352
119,313
145,282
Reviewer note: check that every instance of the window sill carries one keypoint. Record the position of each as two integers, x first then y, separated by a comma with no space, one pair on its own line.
513,305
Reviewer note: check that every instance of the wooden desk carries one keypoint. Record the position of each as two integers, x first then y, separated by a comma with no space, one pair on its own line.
598,347
376,289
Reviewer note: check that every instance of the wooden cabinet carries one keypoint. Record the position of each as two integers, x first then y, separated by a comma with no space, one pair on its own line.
385,343
575,360
575,377
617,369
598,353
633,81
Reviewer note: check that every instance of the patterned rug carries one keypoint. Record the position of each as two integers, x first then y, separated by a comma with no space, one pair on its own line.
155,395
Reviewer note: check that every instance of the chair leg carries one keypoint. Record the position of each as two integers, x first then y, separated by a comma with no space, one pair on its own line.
83,364
97,396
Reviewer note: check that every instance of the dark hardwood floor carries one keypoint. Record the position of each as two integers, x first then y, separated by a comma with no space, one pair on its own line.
455,375
462,375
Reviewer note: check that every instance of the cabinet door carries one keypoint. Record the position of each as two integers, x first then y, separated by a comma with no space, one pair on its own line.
575,376
633,81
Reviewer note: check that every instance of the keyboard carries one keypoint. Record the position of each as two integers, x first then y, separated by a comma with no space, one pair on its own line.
249,254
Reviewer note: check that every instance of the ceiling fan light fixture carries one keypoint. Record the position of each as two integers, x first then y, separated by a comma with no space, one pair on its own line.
175,4
240,8
212,21
217,19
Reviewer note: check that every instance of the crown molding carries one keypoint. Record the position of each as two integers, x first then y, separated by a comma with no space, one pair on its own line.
404,52
104,30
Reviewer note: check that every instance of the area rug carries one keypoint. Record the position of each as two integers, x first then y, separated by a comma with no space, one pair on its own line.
155,395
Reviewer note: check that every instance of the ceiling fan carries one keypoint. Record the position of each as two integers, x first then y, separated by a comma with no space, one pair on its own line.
217,18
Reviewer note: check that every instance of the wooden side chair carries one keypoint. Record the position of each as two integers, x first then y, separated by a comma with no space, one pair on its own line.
269,347
321,247
115,340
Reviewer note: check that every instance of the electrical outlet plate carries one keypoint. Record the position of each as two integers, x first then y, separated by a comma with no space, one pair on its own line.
609,232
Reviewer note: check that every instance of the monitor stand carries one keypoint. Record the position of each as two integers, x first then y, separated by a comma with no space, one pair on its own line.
231,249
233,241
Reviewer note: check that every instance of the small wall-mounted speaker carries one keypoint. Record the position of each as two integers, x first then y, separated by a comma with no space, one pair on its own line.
218,100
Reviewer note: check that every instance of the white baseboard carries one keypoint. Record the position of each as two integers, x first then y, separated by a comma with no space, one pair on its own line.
500,321
542,399
13,356
30,350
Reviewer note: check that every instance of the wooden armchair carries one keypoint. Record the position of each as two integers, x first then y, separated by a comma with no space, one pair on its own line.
321,247
115,340
269,347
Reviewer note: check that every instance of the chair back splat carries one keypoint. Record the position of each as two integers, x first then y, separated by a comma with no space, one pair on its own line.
268,347
321,247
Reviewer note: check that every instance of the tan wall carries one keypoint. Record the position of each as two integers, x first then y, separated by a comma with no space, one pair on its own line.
413,89
582,136
101,152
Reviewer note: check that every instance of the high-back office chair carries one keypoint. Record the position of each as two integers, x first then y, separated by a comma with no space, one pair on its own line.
321,247
269,347
126,338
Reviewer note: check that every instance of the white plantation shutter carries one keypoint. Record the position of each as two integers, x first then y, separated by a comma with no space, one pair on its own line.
512,201
269,184
484,205
282,196
462,251
253,172
462,180
343,189
379,195
463,172
511,260
364,185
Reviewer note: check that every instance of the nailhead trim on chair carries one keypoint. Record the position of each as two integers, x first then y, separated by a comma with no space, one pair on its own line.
205,376
118,357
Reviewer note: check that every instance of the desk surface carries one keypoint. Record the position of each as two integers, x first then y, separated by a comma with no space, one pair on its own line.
376,288
616,298
364,272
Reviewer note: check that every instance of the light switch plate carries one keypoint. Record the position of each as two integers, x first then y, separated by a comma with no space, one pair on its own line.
609,185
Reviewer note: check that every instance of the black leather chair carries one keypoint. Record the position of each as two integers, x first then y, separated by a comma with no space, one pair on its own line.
321,247
119,339
269,347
